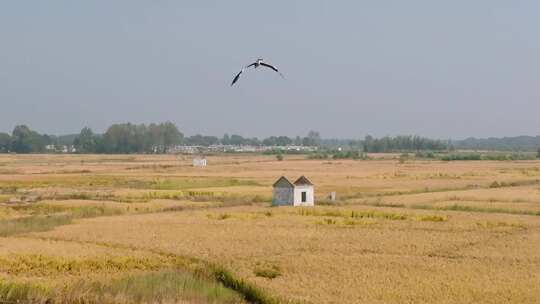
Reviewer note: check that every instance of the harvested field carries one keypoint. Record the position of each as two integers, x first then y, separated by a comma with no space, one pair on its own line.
418,231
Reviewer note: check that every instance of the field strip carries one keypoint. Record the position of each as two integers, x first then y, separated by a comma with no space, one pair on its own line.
45,222
517,183
493,237
454,207
250,292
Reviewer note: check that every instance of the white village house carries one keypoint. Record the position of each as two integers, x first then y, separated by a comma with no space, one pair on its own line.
299,193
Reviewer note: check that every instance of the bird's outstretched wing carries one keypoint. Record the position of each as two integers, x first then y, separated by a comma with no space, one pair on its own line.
241,71
248,66
236,77
272,67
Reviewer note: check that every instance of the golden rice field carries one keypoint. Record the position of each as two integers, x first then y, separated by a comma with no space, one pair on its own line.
154,229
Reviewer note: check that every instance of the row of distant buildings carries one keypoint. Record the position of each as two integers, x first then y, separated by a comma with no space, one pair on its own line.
180,149
240,148
60,149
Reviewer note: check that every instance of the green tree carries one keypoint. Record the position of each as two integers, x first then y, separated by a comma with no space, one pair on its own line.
277,141
308,142
85,142
236,140
270,141
100,144
312,139
284,141
315,137
402,144
24,140
5,142
158,138
171,135
226,140
154,140
124,138
252,141
538,154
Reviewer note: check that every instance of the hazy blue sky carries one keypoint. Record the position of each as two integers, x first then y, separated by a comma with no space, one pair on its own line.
443,69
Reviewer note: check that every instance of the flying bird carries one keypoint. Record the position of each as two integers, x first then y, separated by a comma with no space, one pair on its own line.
255,65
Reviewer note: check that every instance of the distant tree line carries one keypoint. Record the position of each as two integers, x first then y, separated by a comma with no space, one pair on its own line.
501,156
129,138
402,143
517,143
158,138
312,139
24,140
133,138
387,144
119,138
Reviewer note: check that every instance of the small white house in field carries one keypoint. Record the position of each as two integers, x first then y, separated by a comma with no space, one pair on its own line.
299,193
303,192
199,162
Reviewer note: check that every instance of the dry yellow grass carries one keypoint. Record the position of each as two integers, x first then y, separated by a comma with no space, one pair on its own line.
376,246
378,260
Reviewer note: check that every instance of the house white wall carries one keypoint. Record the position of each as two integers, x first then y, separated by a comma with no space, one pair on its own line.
310,195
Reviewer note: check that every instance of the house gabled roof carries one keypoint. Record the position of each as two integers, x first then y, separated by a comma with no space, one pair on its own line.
283,182
302,180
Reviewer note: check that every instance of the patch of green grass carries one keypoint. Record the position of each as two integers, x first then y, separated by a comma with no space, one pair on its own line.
352,214
14,292
45,266
328,221
389,205
352,222
267,271
219,216
223,216
457,207
315,212
203,270
166,286
10,227
251,293
46,217
161,287
493,225
375,214
432,218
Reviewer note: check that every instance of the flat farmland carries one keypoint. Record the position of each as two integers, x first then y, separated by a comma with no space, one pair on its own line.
148,228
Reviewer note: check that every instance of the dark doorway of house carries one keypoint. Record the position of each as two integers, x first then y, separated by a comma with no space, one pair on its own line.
304,197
